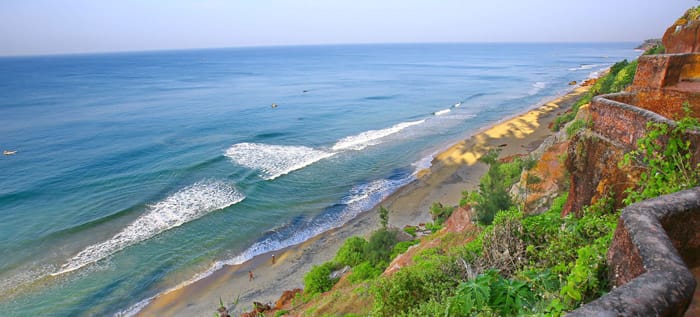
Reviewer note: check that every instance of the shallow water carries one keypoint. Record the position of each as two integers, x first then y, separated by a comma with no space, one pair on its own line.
136,172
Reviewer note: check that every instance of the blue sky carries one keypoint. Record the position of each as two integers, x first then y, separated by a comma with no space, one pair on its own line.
80,26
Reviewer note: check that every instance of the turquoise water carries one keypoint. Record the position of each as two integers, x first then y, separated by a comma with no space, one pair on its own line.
136,172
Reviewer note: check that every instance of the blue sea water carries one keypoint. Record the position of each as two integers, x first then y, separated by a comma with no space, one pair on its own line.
136,172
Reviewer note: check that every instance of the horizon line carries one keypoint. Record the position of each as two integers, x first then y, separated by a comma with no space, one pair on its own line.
253,46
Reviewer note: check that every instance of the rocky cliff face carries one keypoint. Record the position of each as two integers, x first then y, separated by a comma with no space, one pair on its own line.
682,37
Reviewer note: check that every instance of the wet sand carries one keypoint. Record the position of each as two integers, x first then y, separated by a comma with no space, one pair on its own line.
454,170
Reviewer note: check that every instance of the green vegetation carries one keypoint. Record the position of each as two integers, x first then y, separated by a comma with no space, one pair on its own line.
384,217
559,269
666,167
319,280
690,15
368,259
493,194
620,76
577,126
440,213
657,49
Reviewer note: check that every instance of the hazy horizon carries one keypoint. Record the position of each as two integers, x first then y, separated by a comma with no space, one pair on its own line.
45,27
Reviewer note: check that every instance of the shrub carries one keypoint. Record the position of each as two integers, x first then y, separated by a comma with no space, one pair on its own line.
351,252
494,187
379,247
319,280
364,271
410,230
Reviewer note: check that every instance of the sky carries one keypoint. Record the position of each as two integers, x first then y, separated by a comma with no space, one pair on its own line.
38,27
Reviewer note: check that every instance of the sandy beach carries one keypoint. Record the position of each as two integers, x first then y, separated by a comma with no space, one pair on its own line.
452,171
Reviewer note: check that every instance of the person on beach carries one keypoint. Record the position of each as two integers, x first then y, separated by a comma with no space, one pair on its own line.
273,259
250,276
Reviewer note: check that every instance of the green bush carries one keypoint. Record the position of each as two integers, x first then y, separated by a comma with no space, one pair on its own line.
494,187
408,288
378,249
410,230
364,271
319,280
351,252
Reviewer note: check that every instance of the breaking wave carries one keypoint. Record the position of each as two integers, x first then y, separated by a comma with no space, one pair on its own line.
371,137
442,112
187,204
273,161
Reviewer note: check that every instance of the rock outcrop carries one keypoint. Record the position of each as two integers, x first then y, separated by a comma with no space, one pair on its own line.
683,36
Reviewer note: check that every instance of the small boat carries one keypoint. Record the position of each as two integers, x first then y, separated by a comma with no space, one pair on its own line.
274,105
6,152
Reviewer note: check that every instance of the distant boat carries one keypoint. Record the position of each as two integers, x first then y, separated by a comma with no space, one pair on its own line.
274,105
6,152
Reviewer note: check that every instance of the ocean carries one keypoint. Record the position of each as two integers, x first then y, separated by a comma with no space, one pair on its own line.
139,172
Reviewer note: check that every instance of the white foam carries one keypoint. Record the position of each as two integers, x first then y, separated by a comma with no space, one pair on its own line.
442,112
585,67
371,137
457,104
536,87
424,163
273,161
187,204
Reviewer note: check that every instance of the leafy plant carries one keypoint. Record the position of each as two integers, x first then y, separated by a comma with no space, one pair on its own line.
665,157
471,296
352,252
319,280
410,230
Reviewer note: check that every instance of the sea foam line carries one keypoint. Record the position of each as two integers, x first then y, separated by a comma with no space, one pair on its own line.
187,204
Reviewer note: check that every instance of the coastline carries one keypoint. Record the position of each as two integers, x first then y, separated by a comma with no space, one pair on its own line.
452,171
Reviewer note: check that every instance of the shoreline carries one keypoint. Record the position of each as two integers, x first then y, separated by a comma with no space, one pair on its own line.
453,170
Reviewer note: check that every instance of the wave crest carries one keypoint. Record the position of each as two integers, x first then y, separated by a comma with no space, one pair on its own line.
187,204
371,137
273,161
